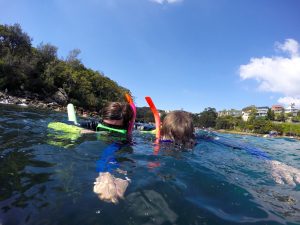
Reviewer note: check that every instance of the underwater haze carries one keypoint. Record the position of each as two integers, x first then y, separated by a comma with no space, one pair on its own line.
46,178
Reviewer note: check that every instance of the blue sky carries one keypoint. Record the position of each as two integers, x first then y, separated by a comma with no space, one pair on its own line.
185,54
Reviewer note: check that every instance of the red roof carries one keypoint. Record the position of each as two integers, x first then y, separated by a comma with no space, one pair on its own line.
277,107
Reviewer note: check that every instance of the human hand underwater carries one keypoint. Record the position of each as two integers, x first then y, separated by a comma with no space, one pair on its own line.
110,188
284,174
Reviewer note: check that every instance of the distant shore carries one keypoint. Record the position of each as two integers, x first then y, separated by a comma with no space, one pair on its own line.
32,100
254,134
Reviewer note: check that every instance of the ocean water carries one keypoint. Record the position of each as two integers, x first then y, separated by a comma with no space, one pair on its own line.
48,179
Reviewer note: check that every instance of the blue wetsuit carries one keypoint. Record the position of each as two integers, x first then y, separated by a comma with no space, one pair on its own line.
107,162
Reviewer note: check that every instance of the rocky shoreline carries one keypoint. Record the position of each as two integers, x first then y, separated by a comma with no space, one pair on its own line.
31,100
57,103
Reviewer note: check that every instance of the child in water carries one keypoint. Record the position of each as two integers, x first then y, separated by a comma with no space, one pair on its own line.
116,116
178,128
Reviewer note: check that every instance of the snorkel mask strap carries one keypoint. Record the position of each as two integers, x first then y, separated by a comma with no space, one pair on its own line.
132,105
101,126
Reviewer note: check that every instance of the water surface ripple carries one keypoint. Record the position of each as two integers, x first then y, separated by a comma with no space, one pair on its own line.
48,179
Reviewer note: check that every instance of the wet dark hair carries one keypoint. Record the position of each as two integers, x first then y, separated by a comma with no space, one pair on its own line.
118,111
178,127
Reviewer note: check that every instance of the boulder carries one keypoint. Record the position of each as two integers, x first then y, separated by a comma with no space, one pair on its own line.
60,97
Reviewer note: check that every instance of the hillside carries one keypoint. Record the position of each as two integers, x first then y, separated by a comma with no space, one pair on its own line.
38,72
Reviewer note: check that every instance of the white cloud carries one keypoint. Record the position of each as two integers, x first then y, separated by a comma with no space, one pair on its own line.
290,46
288,100
166,1
277,74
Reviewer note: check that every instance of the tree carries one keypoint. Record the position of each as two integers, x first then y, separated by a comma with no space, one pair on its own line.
144,114
13,41
47,53
262,126
208,117
252,115
38,70
281,117
270,115
224,122
15,51
229,122
249,108
72,59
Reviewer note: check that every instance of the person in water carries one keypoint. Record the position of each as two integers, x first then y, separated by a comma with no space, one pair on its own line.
116,116
178,128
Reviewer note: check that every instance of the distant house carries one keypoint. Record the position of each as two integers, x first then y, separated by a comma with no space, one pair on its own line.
231,112
277,109
292,109
262,111
245,115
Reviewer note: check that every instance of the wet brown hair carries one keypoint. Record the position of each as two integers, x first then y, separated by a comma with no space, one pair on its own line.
118,111
178,127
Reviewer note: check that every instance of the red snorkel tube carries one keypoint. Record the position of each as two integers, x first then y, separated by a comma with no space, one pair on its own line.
156,116
157,134
130,101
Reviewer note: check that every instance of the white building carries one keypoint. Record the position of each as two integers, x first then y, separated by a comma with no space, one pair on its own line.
292,109
245,115
262,111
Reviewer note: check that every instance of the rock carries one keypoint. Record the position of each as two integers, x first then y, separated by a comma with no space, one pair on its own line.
49,100
60,96
30,95
2,95
52,104
39,105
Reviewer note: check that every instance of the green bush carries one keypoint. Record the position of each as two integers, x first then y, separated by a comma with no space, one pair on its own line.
291,129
